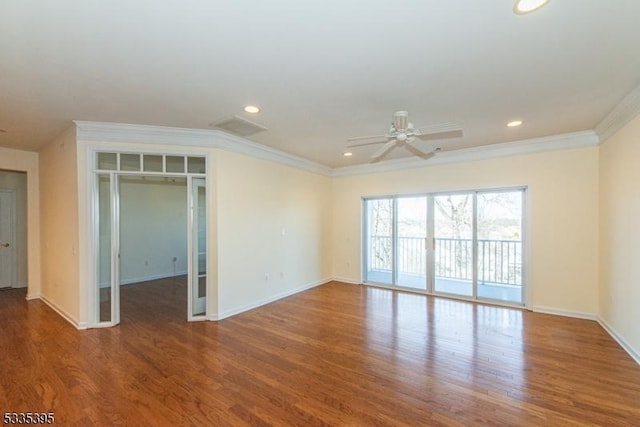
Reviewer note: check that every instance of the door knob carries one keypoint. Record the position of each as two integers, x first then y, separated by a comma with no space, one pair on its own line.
5,245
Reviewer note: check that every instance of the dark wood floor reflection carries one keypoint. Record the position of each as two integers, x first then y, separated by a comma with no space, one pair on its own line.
335,355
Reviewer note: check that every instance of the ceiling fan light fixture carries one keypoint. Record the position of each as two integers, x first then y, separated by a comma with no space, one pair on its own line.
514,123
522,7
251,109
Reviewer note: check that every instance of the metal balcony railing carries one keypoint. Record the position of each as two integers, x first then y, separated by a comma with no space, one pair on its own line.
499,261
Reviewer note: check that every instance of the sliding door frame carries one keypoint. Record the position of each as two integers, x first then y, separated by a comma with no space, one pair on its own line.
431,241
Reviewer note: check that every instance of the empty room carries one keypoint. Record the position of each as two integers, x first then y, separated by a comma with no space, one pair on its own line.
320,213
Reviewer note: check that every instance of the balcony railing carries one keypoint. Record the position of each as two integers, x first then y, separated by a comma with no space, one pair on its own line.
499,261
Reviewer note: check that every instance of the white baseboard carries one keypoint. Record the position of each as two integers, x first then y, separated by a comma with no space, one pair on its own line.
30,297
345,280
152,277
256,304
146,278
635,355
565,313
64,314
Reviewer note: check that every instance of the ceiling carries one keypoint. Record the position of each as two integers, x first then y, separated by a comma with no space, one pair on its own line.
321,71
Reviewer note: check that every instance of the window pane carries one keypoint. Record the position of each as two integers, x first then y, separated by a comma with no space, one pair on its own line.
500,246
196,165
175,164
107,161
152,163
130,162
412,232
453,255
379,244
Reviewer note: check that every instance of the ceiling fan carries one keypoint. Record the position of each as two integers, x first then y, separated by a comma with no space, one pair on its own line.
403,134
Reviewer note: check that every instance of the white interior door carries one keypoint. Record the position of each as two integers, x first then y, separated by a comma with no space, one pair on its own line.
198,248
7,240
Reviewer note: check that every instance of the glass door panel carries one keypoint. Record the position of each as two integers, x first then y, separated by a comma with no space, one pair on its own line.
499,219
411,250
104,248
107,271
453,244
198,276
379,241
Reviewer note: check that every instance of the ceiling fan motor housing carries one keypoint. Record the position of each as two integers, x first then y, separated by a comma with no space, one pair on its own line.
401,120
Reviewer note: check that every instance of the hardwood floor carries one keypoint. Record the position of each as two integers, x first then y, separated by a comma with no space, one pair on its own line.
335,355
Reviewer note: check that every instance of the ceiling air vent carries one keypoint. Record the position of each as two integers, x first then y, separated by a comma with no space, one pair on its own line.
238,126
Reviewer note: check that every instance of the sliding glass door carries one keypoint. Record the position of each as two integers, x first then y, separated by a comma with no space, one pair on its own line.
411,237
465,244
396,243
453,249
380,247
499,243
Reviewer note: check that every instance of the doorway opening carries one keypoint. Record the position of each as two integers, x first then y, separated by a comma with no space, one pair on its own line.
149,233
13,229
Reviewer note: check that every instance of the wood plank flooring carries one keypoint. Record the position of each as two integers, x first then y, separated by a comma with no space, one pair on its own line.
334,355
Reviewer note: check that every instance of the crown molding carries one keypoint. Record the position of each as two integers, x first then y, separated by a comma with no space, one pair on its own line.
622,114
146,134
565,141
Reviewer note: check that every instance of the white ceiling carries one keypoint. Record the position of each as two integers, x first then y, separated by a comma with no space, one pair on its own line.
321,71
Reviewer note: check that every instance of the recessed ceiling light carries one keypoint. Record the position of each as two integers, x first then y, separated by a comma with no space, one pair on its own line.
523,7
251,109
347,154
515,123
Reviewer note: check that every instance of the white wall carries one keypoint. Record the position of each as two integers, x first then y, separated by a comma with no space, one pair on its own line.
562,218
153,228
253,201
272,220
25,161
620,234
59,225
17,181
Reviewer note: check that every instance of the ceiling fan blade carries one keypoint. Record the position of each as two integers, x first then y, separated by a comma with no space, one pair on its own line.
439,131
418,153
378,155
440,135
362,144
358,138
